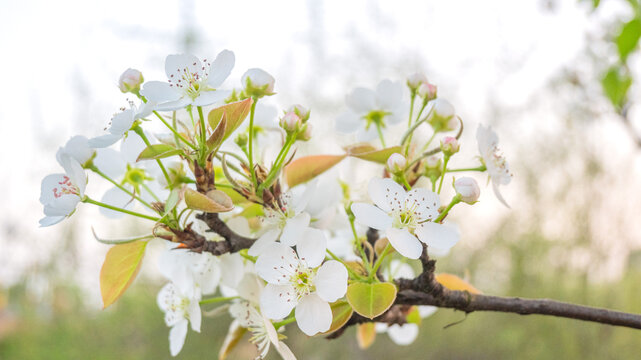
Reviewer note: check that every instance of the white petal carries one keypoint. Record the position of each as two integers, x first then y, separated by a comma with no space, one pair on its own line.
176,65
118,198
370,215
300,201
311,247
232,268
403,334
221,68
426,310
75,172
195,316
62,206
259,246
294,228
277,301
361,100
366,135
284,351
313,315
331,281
405,243
277,263
176,104
177,336
159,92
50,220
250,287
486,138
110,162
48,184
122,122
399,269
386,193
131,147
388,94
425,201
439,236
210,97
348,122
104,140
495,187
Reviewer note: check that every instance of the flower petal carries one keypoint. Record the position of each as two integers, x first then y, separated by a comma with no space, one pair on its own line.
177,336
210,97
159,92
50,220
250,287
386,193
405,243
498,194
388,94
277,263
277,301
403,334
260,245
195,316
439,236
294,228
425,201
313,315
221,68
331,281
370,215
110,162
311,247
104,141
176,104
348,122
361,100
231,265
177,65
115,197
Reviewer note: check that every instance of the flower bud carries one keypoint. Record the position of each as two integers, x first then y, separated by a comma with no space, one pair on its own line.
306,134
301,111
291,122
450,146
433,166
258,83
415,80
396,163
427,91
468,189
130,81
442,118
241,140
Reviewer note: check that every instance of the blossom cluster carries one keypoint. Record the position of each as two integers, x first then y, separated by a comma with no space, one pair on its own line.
255,232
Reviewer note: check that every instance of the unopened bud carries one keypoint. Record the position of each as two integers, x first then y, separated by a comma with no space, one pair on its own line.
130,81
415,80
468,189
450,146
301,111
241,140
396,163
258,83
427,91
442,118
433,166
291,122
306,134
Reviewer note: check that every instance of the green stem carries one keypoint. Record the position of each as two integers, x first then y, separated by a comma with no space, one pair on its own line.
217,300
368,266
278,163
138,130
429,141
251,142
480,168
349,270
114,208
379,261
409,123
408,134
404,181
282,323
455,200
104,176
176,133
380,133
445,161
203,129
150,192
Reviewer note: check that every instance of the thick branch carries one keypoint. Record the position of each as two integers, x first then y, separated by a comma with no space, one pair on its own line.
233,242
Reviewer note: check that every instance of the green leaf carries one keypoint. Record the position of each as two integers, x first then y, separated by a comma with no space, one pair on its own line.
414,316
158,151
119,270
234,114
172,200
306,168
341,313
216,139
615,85
215,201
628,38
370,153
252,211
371,300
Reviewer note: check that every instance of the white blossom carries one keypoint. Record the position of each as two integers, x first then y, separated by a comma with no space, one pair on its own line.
497,167
78,148
190,81
298,280
121,123
180,310
405,217
61,193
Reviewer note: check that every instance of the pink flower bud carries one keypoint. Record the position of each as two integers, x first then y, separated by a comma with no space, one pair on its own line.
306,134
450,145
258,83
415,80
130,80
427,91
291,122
301,111
442,115
396,163
468,189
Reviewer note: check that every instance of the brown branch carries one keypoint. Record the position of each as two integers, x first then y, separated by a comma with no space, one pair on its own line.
233,242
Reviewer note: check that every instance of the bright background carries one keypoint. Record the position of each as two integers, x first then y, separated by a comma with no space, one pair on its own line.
531,69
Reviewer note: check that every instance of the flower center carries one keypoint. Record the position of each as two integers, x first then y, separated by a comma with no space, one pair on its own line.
375,117
302,281
407,216
65,188
191,81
